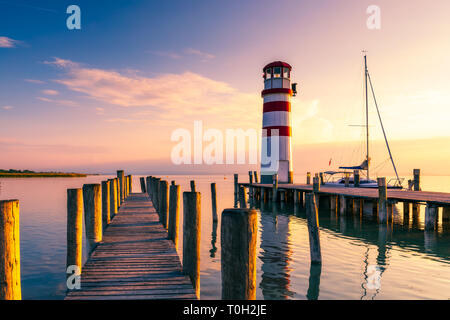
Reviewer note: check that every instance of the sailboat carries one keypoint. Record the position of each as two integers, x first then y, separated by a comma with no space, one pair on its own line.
364,168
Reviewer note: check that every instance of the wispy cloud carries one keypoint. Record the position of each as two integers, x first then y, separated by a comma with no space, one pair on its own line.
203,55
50,92
100,110
7,107
168,54
186,52
68,103
168,97
6,42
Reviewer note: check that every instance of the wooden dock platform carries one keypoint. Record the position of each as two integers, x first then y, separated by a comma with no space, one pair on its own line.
135,259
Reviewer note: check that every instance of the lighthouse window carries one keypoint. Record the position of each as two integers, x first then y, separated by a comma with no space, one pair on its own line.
286,73
269,73
277,72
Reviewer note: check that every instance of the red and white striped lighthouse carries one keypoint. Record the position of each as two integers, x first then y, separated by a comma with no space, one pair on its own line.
276,137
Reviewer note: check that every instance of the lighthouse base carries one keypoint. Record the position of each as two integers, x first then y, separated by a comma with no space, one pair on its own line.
268,179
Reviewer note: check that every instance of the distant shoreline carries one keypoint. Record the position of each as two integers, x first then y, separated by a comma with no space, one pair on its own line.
43,175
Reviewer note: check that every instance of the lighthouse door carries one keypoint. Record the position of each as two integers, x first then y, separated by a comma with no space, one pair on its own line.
283,171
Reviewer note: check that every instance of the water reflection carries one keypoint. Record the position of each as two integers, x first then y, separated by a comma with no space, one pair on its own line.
314,281
213,240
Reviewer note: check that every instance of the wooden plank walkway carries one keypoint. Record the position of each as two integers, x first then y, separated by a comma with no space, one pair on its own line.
437,198
135,260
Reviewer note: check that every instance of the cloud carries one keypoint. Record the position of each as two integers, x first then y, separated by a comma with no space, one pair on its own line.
186,52
7,107
168,54
204,55
100,110
68,103
6,42
35,81
50,92
168,97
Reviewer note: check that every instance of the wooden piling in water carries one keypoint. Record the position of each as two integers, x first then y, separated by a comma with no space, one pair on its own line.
155,193
106,204
431,215
113,197
342,205
10,280
333,204
382,200
191,237
313,228
416,181
174,209
143,188
121,177
164,203
92,214
214,201
446,214
74,227
238,254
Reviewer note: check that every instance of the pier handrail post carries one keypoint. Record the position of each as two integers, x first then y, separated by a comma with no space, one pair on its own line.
416,181
130,184
236,185
347,180
164,203
191,237
106,204
242,197
156,193
214,201
356,178
10,279
255,173
142,181
321,179
74,228
250,177
382,200
113,197
119,200
92,214
308,178
275,188
238,254
148,186
313,228
121,176
174,209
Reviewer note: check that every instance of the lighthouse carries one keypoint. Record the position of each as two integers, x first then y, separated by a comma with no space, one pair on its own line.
276,148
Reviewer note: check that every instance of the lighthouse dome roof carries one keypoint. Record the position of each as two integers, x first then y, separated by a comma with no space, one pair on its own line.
278,64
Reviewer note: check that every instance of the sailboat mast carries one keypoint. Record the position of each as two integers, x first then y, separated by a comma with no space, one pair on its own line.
367,115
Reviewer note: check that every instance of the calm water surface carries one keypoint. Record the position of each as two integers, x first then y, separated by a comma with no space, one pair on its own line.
408,262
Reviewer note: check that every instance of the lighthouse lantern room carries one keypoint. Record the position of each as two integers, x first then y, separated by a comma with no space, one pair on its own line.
276,146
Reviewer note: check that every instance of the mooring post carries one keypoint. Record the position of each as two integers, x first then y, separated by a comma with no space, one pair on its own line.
356,178
238,234
148,181
255,173
156,193
164,203
10,281
275,188
322,182
313,228
92,214
74,227
382,200
242,197
174,208
308,178
192,185
121,176
142,180
214,201
236,185
106,204
191,237
113,209
416,173
431,215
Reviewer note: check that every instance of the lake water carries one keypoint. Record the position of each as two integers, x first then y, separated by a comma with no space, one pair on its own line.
361,260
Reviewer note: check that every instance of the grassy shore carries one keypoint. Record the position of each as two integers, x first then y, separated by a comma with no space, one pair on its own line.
41,175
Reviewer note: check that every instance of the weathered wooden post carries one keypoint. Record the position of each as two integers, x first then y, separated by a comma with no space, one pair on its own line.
113,197
356,178
333,204
242,197
148,181
382,200
275,188
174,209
155,193
121,176
313,228
214,201
92,214
119,199
347,180
142,180
250,177
255,173
238,254
10,281
308,178
236,185
164,203
74,227
191,237
106,204
431,215
192,185
446,214
416,173
126,186
316,185
322,182
130,184
342,205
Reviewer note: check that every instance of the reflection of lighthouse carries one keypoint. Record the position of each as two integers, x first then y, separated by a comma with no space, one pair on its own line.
277,123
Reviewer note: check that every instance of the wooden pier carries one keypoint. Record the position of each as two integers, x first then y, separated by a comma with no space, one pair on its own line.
134,260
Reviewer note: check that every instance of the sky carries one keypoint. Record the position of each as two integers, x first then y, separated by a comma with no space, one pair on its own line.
112,93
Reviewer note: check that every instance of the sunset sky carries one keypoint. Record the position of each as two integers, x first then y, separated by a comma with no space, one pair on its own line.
112,93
